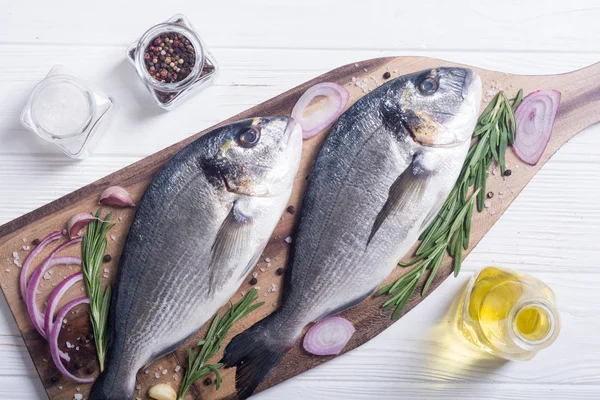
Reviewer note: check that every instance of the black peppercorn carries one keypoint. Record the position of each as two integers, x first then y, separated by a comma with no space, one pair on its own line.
489,195
35,242
280,271
107,258
508,172
253,281
291,209
387,75
208,381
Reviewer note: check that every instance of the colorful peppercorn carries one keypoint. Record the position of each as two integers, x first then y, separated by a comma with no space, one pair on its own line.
170,58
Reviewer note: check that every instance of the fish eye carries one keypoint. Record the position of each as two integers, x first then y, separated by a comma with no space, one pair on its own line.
428,86
249,138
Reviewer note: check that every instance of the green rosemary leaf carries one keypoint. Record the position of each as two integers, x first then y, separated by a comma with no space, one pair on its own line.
197,365
458,255
435,266
93,247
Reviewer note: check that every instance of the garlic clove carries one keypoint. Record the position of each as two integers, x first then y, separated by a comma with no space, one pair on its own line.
77,222
116,196
162,391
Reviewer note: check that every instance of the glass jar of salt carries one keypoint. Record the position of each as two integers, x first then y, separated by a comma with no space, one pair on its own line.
67,112
172,61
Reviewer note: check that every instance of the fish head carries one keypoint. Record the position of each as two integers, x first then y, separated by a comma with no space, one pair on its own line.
438,107
259,156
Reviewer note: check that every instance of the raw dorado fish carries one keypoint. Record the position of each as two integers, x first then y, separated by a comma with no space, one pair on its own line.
201,225
381,176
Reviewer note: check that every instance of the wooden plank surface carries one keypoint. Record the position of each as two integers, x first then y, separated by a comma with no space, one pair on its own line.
579,109
563,198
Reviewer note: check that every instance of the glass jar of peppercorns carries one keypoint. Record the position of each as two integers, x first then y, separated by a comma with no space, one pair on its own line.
171,59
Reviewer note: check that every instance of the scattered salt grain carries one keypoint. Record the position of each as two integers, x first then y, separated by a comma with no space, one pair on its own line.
138,387
120,218
106,270
492,212
288,239
267,260
47,275
78,396
255,274
157,375
257,287
7,270
60,388
353,79
17,263
146,371
113,237
77,348
69,345
366,70
78,389
25,248
64,231
487,204
164,371
177,368
24,239
356,64
261,270
268,265
15,255
175,376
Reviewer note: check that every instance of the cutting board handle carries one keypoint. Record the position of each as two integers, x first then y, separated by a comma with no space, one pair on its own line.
580,99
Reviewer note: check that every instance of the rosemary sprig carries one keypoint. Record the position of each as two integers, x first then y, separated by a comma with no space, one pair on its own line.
197,366
451,228
92,252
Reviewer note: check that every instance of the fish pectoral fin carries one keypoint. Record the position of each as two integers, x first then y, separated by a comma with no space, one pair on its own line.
408,187
233,236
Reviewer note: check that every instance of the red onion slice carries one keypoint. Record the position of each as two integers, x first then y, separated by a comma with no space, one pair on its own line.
36,250
535,118
328,337
37,318
53,339
337,99
56,297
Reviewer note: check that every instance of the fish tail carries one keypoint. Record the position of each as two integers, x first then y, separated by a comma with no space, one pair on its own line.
255,352
112,386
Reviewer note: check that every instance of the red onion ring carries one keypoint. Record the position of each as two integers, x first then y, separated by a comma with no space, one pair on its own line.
36,250
53,339
535,118
328,337
337,99
56,296
36,315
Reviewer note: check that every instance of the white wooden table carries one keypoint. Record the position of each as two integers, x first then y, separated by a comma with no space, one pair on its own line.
268,46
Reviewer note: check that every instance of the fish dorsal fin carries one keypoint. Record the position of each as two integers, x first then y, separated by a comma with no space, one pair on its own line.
232,238
408,187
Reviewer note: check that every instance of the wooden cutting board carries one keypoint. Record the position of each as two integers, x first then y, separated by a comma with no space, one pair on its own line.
580,108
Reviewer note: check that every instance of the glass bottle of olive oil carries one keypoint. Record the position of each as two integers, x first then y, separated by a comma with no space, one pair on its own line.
509,314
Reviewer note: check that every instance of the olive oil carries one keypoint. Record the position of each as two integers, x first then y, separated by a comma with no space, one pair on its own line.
508,314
